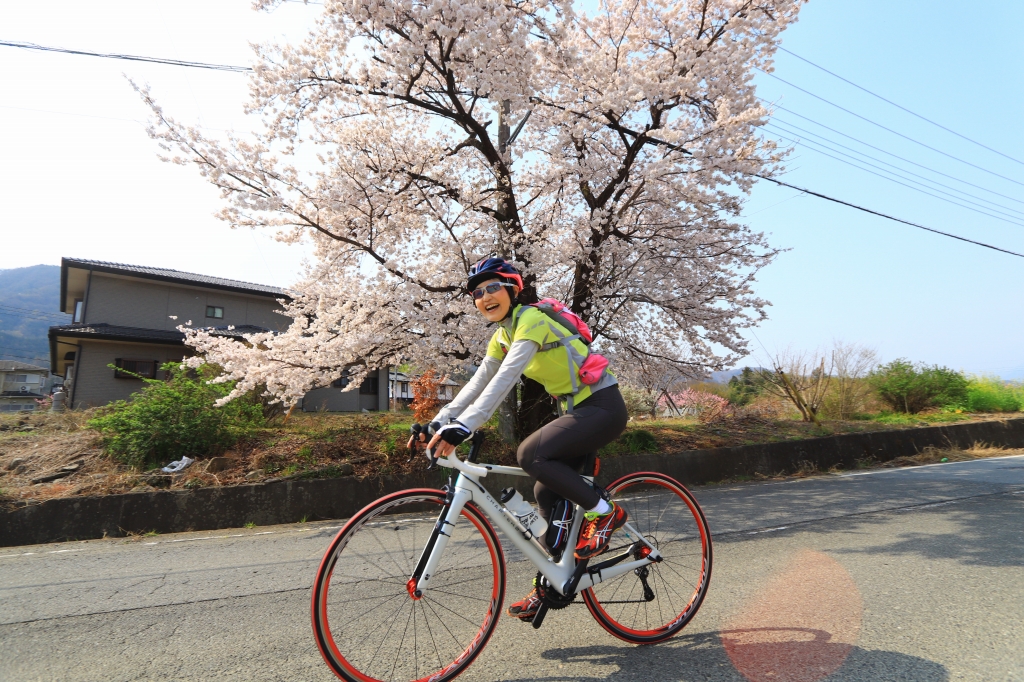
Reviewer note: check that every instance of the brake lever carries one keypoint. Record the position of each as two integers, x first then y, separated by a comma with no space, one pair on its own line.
415,430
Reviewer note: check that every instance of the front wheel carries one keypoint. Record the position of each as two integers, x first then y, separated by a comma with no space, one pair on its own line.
369,626
652,603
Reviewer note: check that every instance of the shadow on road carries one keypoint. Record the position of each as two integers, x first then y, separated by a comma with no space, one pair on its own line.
987,528
703,657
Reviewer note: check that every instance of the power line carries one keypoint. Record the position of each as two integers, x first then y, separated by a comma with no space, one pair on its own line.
884,215
916,189
130,57
776,119
898,106
1019,215
905,137
246,69
785,128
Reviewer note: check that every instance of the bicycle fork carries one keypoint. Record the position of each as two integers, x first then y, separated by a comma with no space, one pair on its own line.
454,501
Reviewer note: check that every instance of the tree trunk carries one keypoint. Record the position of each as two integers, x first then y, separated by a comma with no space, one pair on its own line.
526,409
535,408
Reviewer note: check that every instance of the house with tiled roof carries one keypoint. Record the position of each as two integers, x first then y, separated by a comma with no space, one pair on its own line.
21,385
125,317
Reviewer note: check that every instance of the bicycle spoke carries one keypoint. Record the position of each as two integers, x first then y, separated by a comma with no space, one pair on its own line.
441,620
365,590
437,653
666,517
401,642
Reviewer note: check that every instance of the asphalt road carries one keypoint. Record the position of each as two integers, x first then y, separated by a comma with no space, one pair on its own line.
911,574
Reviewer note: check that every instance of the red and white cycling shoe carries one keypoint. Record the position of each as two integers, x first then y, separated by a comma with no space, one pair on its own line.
597,531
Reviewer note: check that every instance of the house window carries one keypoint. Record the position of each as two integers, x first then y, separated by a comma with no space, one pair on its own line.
403,389
215,311
79,309
144,368
369,386
340,383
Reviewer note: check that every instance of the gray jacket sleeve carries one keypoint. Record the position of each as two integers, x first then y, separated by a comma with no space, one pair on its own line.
497,386
471,391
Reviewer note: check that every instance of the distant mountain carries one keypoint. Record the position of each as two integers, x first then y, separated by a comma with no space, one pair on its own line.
29,305
724,376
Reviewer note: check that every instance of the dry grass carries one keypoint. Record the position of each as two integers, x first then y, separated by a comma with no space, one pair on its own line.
321,445
932,455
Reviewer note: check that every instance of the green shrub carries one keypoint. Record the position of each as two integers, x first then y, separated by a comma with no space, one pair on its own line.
639,440
169,419
989,394
911,388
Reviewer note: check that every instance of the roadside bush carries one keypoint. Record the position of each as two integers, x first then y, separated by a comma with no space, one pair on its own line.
169,419
989,394
707,407
910,388
636,441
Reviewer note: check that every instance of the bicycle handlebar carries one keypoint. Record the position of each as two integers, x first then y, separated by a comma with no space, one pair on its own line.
452,461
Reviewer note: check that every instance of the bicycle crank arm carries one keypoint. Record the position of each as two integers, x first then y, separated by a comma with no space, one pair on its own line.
538,619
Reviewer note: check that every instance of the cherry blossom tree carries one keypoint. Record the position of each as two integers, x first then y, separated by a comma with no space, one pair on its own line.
607,151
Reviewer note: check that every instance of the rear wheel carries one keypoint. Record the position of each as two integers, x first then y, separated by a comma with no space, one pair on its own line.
653,603
367,623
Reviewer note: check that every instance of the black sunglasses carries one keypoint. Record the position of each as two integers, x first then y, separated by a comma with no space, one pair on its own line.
492,288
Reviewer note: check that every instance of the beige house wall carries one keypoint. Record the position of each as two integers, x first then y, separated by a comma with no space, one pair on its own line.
348,400
94,381
133,302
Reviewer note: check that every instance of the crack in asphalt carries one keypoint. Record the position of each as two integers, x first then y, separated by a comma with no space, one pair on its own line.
153,606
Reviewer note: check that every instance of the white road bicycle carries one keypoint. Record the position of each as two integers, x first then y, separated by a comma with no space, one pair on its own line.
412,586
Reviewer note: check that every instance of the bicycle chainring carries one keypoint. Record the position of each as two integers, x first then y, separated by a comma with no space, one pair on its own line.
550,596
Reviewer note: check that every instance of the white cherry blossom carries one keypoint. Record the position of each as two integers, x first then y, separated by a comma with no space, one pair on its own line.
621,195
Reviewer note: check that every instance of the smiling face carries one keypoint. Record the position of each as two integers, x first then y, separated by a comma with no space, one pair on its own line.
495,306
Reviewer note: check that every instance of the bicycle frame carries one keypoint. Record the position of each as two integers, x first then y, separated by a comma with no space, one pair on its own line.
566,576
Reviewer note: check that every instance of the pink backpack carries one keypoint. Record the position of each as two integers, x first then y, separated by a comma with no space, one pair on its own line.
556,309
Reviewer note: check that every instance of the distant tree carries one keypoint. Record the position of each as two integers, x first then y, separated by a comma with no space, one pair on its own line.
426,389
851,390
801,379
746,386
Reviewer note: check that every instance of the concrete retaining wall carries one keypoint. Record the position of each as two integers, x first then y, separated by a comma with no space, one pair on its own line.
172,511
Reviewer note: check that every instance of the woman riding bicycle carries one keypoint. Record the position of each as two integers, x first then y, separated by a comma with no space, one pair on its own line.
529,343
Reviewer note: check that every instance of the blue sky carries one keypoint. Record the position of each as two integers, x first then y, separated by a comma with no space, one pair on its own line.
81,178
864,279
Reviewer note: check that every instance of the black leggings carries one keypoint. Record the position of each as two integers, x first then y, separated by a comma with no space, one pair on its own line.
554,454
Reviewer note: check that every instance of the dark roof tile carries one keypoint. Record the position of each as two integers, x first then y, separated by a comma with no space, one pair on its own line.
167,274
15,366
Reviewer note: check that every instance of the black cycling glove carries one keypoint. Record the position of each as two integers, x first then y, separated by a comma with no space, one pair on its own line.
453,432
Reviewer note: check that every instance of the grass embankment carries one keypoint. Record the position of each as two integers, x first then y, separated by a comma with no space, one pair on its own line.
38,447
